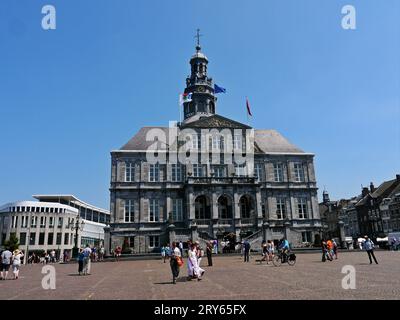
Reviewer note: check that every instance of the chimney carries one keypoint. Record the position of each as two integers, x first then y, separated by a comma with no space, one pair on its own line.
372,187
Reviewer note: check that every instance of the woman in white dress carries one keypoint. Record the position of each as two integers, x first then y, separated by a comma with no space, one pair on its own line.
195,270
17,255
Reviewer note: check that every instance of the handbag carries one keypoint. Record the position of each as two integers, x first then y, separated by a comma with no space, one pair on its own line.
179,261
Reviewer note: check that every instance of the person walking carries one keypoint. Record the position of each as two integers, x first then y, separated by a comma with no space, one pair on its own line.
173,262
86,260
5,263
81,259
335,248
16,262
53,256
197,272
101,253
369,247
181,247
246,245
324,248
209,251
271,250
199,253
163,253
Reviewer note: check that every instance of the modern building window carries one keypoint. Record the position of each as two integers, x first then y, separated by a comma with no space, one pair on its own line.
129,172
14,221
176,172
41,238
306,236
177,210
281,208
22,238
50,238
24,222
95,216
51,222
34,222
240,170
299,172
22,209
154,241
302,208
60,222
129,210
154,173
258,171
58,240
66,239
32,239
89,214
154,214
198,170
42,222
278,172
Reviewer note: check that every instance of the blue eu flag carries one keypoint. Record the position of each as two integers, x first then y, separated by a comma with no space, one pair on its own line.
218,89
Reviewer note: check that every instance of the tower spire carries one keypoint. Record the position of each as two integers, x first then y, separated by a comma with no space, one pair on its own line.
197,36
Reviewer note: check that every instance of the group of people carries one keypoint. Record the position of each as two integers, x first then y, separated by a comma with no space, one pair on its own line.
194,257
8,259
329,249
268,250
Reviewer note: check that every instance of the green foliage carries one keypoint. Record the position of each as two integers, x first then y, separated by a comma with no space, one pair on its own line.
12,243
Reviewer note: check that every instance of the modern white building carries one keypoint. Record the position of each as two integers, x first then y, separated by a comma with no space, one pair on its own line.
50,223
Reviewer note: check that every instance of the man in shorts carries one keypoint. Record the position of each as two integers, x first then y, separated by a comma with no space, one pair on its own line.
5,263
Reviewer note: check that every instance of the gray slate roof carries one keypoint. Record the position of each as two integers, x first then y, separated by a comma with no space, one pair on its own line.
268,141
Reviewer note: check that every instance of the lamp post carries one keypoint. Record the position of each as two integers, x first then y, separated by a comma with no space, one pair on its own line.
78,225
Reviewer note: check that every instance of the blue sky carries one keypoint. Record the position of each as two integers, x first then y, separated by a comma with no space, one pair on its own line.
71,95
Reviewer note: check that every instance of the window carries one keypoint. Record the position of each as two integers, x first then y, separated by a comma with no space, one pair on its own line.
153,211
240,170
130,241
23,209
302,208
59,236
219,171
42,209
177,212
14,221
237,141
129,172
60,222
71,237
22,238
195,142
50,238
215,142
197,170
258,171
278,172
51,222
299,172
154,242
32,239
306,236
154,173
41,238
34,222
129,210
42,222
24,222
176,172
281,208
66,239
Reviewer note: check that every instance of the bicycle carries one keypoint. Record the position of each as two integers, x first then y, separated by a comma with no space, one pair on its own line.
281,257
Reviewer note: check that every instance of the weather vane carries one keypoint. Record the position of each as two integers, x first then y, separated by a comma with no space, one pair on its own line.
198,35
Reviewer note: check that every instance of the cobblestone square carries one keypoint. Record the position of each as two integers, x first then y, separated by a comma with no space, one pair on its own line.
229,279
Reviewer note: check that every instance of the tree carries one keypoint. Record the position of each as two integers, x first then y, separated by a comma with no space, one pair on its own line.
13,243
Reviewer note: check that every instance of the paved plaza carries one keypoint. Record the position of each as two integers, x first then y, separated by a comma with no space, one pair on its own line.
229,279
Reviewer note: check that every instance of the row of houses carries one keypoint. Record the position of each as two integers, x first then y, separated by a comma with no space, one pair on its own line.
374,212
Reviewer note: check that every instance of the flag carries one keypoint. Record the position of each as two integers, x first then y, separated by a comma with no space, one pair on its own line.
218,89
185,97
248,108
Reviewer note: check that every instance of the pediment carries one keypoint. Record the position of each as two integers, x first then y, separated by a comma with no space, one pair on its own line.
216,121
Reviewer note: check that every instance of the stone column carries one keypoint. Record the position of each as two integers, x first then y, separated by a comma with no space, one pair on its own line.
287,231
107,241
259,209
267,234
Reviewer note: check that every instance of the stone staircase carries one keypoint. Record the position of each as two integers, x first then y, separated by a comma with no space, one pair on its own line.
255,240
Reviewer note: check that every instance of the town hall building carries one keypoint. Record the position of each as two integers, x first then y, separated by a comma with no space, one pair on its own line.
209,177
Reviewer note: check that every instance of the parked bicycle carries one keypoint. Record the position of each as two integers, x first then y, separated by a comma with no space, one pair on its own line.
282,257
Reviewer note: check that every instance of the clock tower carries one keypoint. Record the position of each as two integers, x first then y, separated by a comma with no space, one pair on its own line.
201,87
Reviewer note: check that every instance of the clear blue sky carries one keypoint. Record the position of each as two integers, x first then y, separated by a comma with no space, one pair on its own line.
70,96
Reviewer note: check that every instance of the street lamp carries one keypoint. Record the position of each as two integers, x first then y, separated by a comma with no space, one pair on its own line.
78,225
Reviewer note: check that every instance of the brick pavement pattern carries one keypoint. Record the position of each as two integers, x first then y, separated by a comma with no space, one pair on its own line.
229,279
